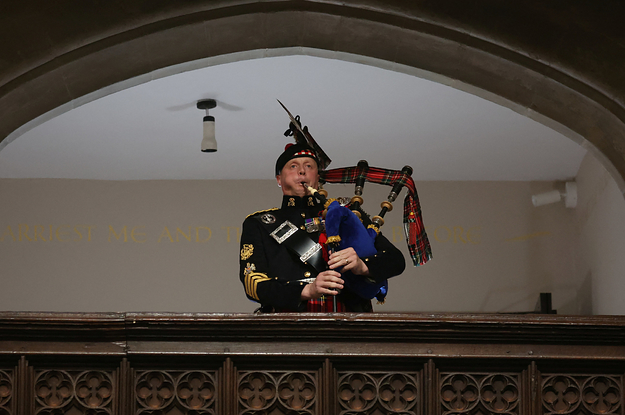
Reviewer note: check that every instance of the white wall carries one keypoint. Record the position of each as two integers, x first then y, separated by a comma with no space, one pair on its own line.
62,246
601,238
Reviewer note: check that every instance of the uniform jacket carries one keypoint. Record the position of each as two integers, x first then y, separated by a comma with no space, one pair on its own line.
270,273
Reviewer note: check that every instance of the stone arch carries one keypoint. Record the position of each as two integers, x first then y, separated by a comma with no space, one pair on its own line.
491,49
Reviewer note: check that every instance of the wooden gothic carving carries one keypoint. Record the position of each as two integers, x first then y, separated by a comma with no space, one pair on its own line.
310,365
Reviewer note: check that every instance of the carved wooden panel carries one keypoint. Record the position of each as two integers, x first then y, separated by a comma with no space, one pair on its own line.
277,393
476,394
61,392
6,392
175,393
194,392
378,393
567,394
224,365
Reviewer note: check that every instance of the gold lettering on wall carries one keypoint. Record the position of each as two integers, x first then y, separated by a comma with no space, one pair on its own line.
203,234
184,235
457,235
123,232
50,233
237,231
23,231
442,234
208,232
446,234
526,237
89,227
8,232
134,234
398,234
26,233
473,235
165,233
39,233
63,234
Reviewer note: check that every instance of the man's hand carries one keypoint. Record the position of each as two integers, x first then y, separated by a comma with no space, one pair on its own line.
348,259
326,283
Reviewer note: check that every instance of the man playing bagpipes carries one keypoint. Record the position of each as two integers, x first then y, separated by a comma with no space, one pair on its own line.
288,264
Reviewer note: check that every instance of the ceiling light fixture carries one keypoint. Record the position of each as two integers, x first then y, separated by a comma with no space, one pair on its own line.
209,143
554,196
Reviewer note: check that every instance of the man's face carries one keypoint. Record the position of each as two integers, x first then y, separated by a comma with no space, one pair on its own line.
295,172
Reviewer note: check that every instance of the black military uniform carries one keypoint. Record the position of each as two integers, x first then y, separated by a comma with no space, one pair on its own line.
273,276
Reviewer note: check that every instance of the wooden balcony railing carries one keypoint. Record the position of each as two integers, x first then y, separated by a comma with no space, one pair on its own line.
226,364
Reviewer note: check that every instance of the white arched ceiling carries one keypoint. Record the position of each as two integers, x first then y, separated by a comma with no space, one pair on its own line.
356,108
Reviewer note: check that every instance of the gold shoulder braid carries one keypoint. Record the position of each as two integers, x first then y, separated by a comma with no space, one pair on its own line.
261,211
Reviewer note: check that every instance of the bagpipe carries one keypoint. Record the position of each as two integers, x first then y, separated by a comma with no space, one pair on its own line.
353,227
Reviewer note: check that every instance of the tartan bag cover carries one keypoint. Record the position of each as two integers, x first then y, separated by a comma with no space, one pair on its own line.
414,231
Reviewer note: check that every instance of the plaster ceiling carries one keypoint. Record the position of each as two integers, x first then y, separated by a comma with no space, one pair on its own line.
355,111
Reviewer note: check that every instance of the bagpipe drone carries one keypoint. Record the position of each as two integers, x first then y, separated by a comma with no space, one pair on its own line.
353,227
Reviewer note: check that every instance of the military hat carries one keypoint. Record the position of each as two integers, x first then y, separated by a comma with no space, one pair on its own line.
305,146
293,151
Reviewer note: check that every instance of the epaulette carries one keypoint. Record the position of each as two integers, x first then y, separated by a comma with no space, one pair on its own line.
261,211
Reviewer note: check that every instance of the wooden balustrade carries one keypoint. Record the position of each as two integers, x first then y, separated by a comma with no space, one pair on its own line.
226,364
